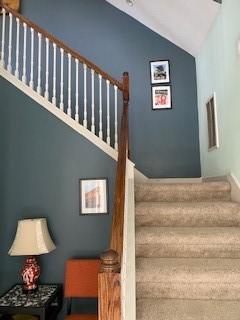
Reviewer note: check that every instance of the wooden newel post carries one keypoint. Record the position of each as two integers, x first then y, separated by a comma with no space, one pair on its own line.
109,289
125,88
126,95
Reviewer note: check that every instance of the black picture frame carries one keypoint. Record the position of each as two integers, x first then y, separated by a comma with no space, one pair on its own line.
164,97
162,68
96,203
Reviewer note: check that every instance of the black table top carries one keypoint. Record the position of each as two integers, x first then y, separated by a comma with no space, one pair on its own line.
16,298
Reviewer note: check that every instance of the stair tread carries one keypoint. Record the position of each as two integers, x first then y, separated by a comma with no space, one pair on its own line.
180,235
220,184
176,309
191,270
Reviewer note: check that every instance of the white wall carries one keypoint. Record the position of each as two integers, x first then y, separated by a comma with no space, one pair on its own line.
218,69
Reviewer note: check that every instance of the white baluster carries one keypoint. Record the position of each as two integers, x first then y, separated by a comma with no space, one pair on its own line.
31,83
39,62
85,96
46,94
3,37
61,82
54,101
93,102
100,107
17,50
9,66
77,92
24,79
116,118
69,110
108,113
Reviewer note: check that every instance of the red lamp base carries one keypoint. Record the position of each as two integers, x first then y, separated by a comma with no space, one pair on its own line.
29,291
30,275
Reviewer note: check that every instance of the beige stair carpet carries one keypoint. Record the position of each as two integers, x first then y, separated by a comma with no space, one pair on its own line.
188,252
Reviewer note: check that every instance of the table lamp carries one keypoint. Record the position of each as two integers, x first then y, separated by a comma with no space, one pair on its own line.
32,239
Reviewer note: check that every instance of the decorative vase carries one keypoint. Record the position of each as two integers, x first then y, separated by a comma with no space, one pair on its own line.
30,274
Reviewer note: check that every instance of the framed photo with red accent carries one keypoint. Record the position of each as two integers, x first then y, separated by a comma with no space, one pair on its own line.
93,196
161,97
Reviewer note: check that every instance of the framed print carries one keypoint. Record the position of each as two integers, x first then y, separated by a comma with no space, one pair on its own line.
160,71
213,137
93,196
161,97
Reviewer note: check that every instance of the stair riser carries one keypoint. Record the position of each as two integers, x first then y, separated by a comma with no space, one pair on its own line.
175,222
169,309
181,197
187,251
213,290
183,192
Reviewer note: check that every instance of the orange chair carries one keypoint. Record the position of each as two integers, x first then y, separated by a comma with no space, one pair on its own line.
81,281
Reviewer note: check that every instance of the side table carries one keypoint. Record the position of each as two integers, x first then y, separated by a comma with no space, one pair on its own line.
45,303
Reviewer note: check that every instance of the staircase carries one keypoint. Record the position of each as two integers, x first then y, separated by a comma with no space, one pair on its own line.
188,252
187,235
61,80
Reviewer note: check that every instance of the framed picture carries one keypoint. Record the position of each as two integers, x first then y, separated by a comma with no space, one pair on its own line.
161,97
160,71
213,137
93,196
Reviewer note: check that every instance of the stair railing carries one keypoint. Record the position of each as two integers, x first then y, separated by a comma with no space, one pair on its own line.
42,68
110,273
61,75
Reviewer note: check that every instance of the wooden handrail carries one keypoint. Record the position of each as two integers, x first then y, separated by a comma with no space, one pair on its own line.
62,45
119,196
109,276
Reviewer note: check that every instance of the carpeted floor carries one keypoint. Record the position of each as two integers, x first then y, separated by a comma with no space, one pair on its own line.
188,252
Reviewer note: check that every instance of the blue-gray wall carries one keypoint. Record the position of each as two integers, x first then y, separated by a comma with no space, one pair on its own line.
163,143
41,162
42,159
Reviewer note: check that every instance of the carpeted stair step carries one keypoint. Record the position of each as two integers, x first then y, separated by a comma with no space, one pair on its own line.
188,214
164,309
188,278
208,191
188,242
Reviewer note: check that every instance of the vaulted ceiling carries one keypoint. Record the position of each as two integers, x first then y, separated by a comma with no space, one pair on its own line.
184,22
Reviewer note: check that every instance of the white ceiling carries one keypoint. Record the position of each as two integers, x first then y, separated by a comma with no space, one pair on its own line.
183,22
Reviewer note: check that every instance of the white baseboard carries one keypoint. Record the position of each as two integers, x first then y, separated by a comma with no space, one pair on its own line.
176,180
141,178
235,187
128,273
